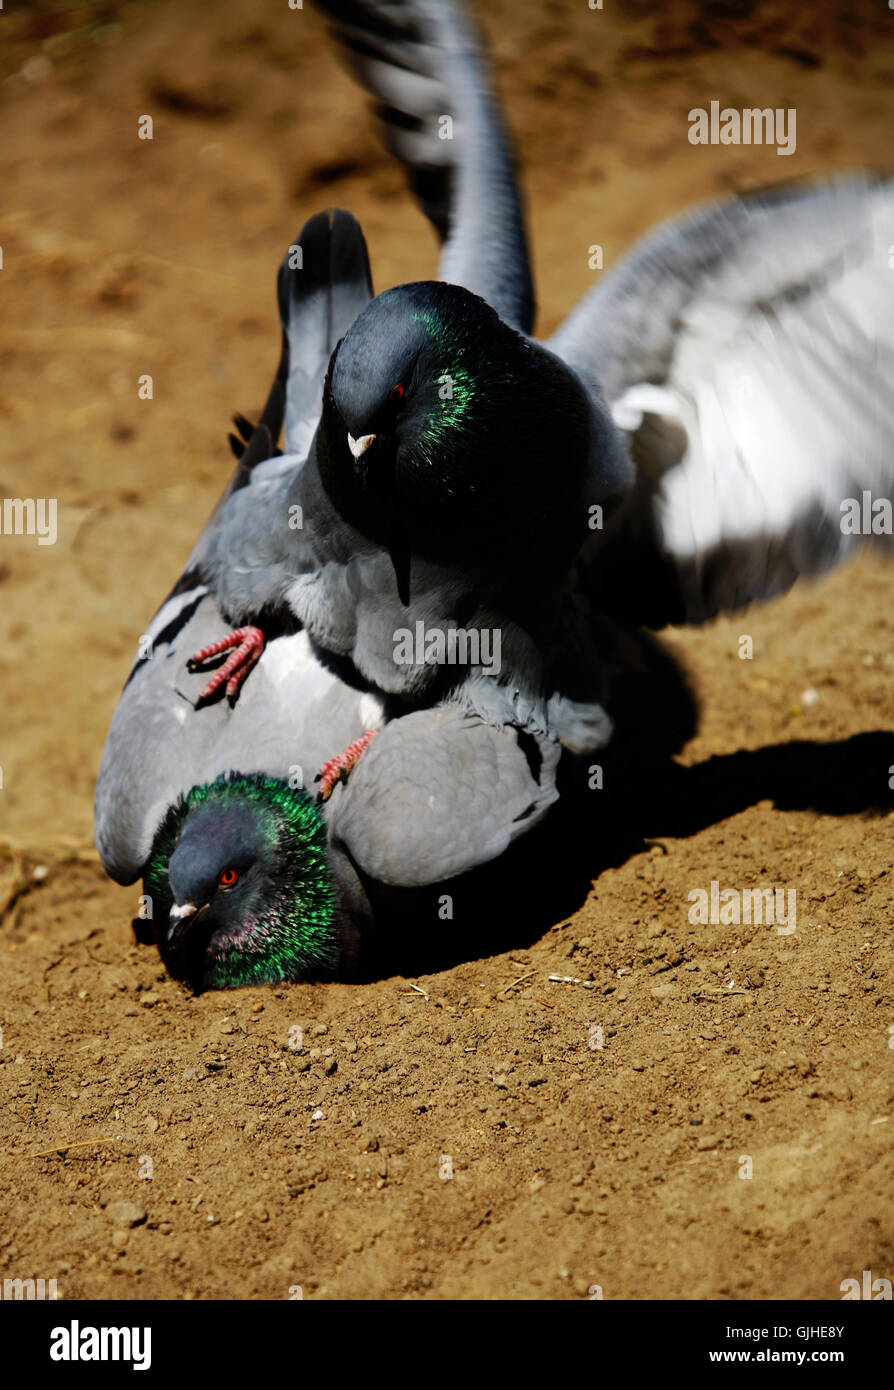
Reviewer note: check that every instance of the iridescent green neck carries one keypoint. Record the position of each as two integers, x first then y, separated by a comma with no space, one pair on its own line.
456,384
289,931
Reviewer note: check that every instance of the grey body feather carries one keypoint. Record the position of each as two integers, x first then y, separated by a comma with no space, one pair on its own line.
441,770
291,717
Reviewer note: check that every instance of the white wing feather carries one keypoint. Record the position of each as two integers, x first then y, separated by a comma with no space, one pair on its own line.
773,364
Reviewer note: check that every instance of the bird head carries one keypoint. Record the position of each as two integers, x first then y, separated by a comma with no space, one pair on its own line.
240,885
446,432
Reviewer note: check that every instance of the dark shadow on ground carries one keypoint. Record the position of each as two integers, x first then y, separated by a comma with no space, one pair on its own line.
646,795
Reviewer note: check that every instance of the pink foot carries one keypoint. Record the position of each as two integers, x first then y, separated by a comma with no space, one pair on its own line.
337,769
249,643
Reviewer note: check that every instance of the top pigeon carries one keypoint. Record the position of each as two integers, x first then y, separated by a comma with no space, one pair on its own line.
455,467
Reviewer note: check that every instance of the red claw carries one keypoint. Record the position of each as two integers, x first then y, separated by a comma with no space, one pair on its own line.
337,769
249,644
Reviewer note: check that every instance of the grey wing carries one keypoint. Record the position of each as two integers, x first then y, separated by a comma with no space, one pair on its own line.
423,63
256,543
748,352
291,716
440,792
323,284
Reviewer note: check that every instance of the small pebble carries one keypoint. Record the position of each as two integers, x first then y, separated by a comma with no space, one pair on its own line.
126,1213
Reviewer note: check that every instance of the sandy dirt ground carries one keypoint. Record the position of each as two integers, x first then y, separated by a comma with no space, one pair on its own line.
459,1133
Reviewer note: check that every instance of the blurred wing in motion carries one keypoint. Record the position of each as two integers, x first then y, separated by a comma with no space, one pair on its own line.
424,66
440,792
748,352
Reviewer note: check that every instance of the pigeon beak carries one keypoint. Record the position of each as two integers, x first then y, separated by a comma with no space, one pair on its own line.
182,910
178,916
358,447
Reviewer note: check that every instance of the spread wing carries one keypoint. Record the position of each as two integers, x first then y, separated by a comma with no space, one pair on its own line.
748,352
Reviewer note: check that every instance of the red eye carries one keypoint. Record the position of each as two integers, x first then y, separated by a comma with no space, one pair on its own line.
397,392
227,878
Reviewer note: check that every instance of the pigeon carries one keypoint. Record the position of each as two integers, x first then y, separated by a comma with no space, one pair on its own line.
699,432
253,881
252,871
